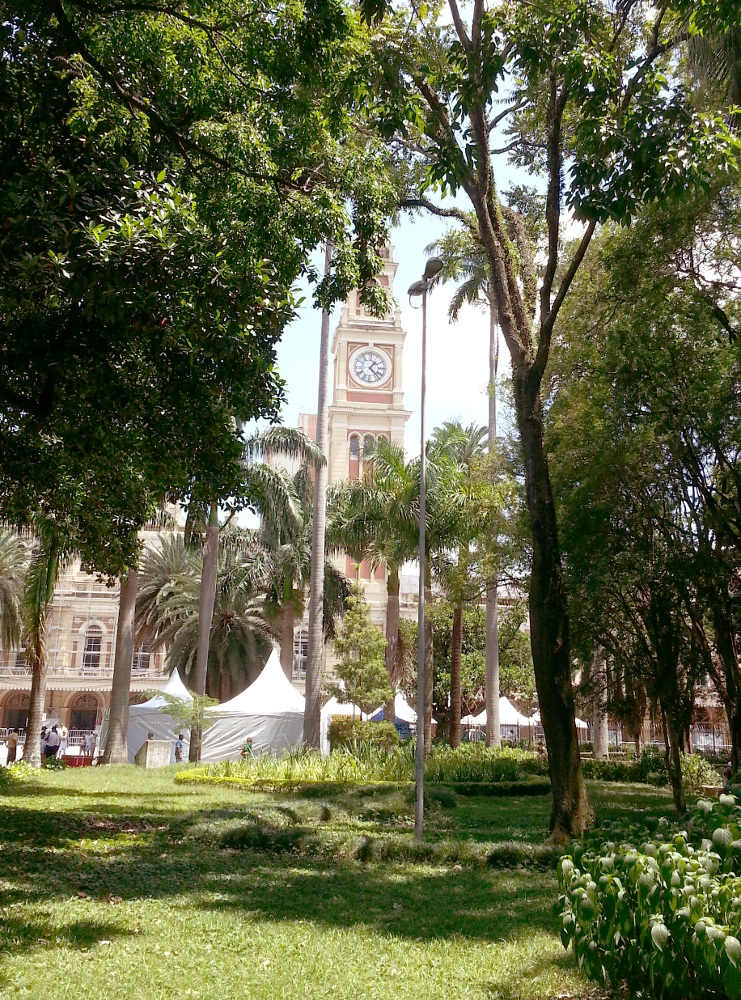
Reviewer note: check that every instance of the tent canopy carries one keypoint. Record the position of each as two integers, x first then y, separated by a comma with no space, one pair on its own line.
402,710
174,687
579,723
334,707
508,716
271,694
270,712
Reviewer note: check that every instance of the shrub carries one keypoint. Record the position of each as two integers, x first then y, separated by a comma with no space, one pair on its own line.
696,772
365,764
352,734
664,917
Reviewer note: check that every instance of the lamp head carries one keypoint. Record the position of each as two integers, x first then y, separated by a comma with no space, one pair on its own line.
433,266
415,290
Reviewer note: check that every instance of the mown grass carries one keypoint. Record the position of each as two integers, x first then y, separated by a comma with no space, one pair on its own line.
121,882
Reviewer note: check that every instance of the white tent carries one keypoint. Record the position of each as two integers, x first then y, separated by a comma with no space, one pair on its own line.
148,718
508,716
331,710
402,710
579,724
270,710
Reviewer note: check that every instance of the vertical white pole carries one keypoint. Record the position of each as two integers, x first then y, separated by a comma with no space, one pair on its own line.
419,814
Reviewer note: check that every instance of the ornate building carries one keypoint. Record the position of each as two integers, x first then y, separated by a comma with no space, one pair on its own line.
81,639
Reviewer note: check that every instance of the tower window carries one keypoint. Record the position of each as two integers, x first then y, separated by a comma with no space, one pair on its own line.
300,653
91,652
142,657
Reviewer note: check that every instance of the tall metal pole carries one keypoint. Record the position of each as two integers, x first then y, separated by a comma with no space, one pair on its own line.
313,705
419,762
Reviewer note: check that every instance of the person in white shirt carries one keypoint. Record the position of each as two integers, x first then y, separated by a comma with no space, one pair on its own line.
62,732
52,742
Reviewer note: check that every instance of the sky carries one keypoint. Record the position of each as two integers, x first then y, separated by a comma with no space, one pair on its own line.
457,354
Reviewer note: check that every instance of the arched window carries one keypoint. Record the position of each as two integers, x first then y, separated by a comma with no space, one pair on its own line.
142,656
300,653
354,469
91,652
15,714
84,712
369,444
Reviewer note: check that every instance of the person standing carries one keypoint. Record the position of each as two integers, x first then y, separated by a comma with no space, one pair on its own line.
43,741
62,731
11,742
179,748
52,743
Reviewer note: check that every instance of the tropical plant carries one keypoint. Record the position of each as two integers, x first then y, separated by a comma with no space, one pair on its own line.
12,568
377,518
168,608
49,558
360,647
284,546
464,261
655,908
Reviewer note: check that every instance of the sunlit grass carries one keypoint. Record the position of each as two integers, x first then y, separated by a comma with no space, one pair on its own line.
118,882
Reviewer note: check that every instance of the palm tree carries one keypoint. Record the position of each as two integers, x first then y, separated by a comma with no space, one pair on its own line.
168,611
275,440
464,260
377,518
460,502
285,545
50,557
12,569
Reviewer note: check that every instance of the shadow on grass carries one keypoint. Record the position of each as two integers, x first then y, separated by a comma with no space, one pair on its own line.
20,935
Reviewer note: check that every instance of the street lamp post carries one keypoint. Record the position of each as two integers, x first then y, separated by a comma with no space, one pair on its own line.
419,288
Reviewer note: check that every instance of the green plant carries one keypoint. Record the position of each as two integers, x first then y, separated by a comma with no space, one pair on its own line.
698,773
352,734
664,917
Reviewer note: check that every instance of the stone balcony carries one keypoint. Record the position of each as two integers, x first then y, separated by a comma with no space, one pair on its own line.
65,677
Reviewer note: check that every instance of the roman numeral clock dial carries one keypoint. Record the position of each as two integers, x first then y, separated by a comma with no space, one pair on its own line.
369,367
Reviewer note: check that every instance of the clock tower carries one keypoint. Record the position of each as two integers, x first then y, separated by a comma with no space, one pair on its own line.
367,398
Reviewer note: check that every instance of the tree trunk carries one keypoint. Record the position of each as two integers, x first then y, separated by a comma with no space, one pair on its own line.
313,703
392,636
429,662
601,740
571,813
287,625
493,730
206,599
455,676
32,746
726,645
674,760
116,751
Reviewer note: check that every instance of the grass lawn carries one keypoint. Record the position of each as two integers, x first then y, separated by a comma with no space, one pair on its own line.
119,882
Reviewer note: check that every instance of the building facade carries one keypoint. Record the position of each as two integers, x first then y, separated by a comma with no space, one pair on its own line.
81,642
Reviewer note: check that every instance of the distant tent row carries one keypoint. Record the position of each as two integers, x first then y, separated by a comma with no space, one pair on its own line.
271,712
511,722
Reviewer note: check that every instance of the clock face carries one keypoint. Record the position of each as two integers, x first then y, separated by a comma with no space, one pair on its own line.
369,366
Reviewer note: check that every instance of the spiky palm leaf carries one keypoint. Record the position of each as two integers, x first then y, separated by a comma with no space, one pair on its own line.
169,609
13,561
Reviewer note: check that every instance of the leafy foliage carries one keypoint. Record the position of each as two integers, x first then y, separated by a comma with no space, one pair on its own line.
360,646
187,714
660,913
366,762
352,734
